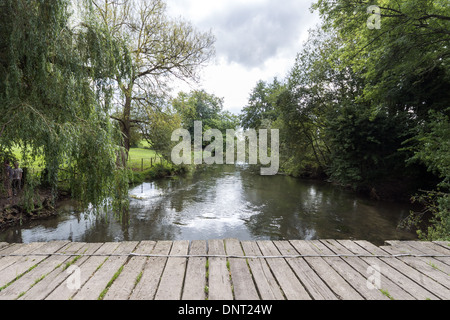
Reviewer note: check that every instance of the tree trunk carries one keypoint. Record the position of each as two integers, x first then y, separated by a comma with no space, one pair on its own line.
125,128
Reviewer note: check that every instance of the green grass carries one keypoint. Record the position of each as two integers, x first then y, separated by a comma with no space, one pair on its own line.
138,153
135,158
35,165
146,163
140,158
387,294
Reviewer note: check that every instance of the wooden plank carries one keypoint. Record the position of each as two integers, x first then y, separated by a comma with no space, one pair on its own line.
87,269
289,283
5,250
387,286
92,289
409,286
266,283
123,286
148,283
312,282
20,249
32,277
171,284
45,277
55,278
402,267
23,264
429,263
358,281
219,282
334,280
434,246
244,287
195,280
4,245
428,248
441,279
443,244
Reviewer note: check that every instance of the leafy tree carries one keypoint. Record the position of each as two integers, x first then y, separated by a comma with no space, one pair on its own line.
262,104
199,105
315,90
159,49
54,97
405,62
405,67
434,151
158,131
365,149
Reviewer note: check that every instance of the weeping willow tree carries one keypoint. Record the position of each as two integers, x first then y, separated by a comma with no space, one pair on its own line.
55,97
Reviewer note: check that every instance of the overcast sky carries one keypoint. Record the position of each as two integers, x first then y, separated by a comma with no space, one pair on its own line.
255,40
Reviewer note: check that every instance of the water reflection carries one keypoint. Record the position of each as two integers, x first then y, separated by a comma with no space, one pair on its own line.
228,202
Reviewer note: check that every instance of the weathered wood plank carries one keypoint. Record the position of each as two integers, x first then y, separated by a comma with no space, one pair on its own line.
219,282
148,281
427,245
441,279
55,278
403,268
23,264
326,272
387,271
244,287
86,270
289,283
444,244
4,245
171,284
358,281
362,266
312,282
32,277
28,248
266,283
123,286
39,277
92,289
427,248
195,281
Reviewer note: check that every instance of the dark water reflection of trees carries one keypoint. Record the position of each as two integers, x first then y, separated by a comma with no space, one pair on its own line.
229,202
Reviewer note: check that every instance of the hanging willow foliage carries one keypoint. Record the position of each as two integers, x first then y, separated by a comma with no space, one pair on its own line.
55,96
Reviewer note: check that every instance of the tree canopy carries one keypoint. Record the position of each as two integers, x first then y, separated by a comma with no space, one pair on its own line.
366,104
159,49
55,98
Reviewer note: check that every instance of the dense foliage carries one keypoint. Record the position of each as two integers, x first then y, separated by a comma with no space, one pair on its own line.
201,106
368,106
54,97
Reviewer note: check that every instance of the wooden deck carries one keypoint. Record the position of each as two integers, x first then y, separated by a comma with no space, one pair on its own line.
225,270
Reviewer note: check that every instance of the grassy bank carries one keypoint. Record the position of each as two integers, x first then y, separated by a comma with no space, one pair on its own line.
147,165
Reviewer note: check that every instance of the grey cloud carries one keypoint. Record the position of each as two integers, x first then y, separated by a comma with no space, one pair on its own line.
251,34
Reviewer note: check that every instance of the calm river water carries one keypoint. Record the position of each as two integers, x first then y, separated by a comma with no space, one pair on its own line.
228,202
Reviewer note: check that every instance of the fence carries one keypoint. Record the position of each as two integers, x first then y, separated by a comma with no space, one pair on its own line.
144,163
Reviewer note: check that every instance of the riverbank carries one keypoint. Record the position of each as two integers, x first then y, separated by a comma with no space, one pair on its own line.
13,212
159,171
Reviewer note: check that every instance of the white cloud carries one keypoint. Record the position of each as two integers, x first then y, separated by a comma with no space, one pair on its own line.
256,40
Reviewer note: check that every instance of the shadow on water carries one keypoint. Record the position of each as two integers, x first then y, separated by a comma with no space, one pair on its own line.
228,202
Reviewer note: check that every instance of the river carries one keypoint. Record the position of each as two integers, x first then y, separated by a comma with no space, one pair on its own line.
219,202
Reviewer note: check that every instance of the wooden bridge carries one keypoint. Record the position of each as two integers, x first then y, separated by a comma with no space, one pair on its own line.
225,270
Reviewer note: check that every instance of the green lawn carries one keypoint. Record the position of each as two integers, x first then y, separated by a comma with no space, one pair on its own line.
140,158
137,157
